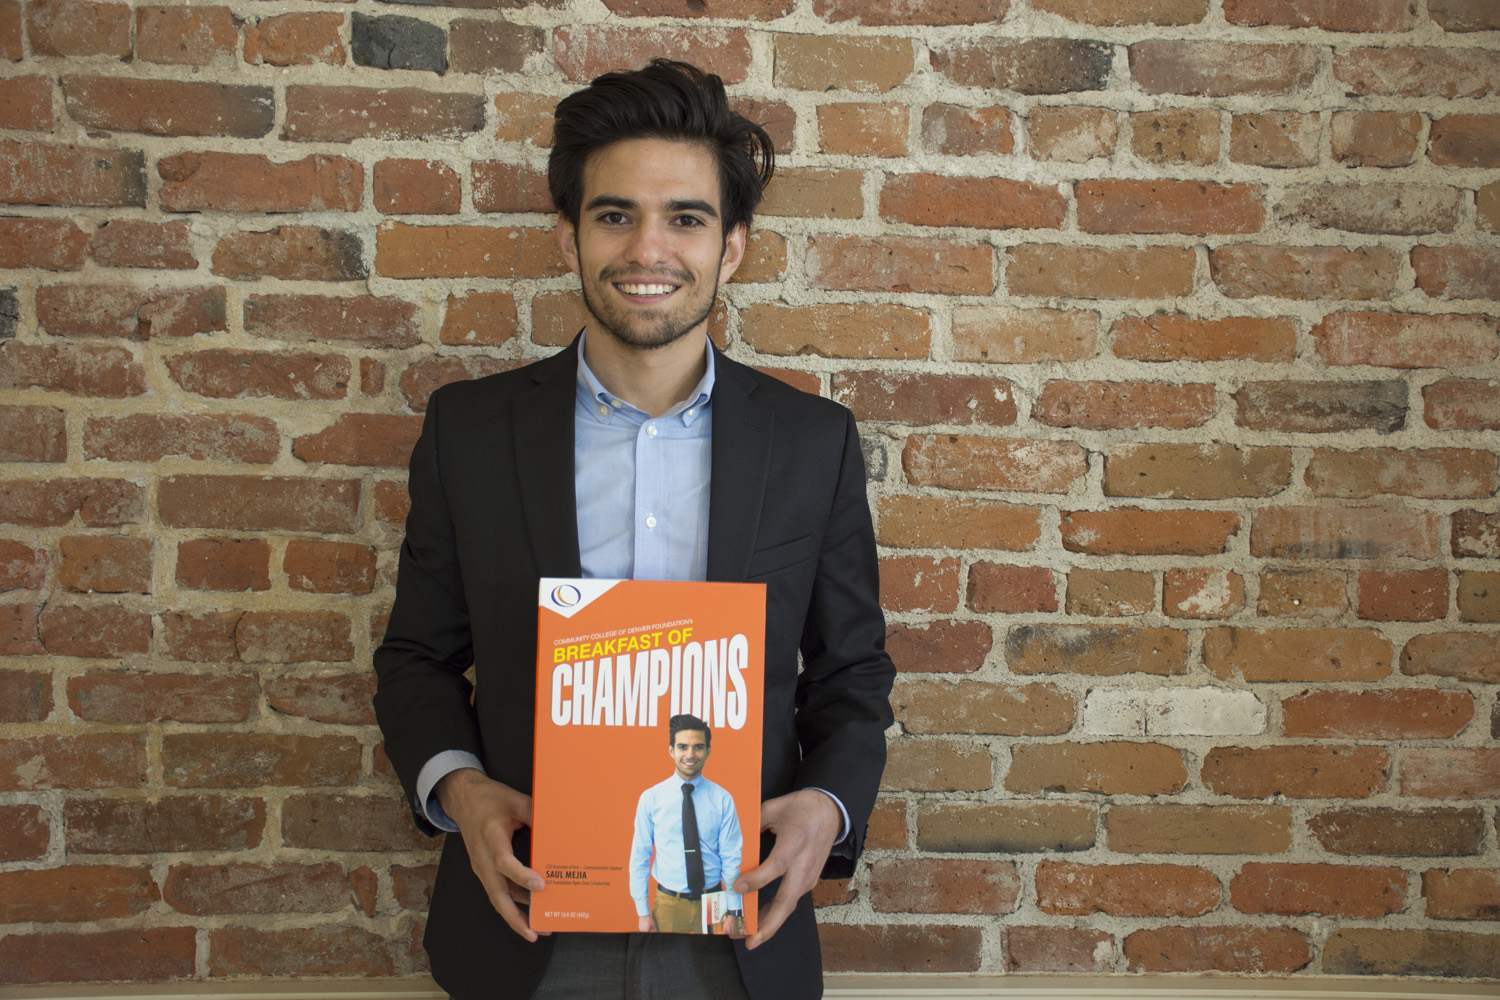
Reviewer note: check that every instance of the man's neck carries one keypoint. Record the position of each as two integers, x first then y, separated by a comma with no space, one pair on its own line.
653,379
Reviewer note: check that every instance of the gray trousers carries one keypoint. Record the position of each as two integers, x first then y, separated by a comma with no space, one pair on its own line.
642,967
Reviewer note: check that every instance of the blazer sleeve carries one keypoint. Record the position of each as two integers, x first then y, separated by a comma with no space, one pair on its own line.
843,694
422,696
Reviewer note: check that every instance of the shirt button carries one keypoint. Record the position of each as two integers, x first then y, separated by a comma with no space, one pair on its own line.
689,413
650,522
603,410
615,403
651,430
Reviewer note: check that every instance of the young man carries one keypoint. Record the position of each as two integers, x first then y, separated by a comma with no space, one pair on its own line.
639,451
687,837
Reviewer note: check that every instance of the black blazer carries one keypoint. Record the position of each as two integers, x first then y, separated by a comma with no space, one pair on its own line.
493,510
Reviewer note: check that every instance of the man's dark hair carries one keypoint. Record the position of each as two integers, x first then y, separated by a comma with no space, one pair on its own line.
665,100
678,723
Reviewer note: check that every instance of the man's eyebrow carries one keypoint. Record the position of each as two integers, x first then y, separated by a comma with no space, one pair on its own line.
693,205
609,201
676,205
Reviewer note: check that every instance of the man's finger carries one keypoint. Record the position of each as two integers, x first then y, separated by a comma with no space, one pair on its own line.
772,917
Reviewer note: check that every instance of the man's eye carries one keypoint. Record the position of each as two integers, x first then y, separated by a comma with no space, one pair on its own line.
690,221
612,218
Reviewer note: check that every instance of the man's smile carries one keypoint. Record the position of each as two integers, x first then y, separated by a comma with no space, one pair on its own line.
642,289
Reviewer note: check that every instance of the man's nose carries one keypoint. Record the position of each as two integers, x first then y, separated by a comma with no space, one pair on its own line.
647,245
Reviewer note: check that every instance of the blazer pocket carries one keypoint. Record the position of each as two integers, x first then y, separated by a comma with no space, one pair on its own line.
779,557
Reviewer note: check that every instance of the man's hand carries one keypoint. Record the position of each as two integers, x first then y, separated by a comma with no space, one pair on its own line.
647,924
488,815
806,824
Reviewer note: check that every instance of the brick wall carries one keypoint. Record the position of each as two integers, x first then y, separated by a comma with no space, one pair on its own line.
1172,325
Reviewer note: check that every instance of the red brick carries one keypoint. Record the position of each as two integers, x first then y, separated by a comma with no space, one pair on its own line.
163,824
1219,69
1332,890
1340,15
127,243
350,823
839,330
524,118
232,760
1376,138
1058,949
371,376
1462,894
148,437
1343,533
936,766
1416,714
1032,66
1381,952
1457,272
1101,273
1171,828
1005,828
25,695
41,174
321,567
404,251
188,36
51,503
1475,534
424,378
994,587
823,62
887,826
917,583
258,503
1124,405
104,631
1123,12
10,30
813,193
1399,340
75,893
1110,593
169,107
342,699
1125,890
1132,531
982,463
1425,472
33,434
926,399
944,885
21,566
1297,772
1175,337
18,630
1022,336
1172,136
900,948
1217,949
1416,71
366,320
343,114
298,952
832,892
78,28
295,40
510,187
362,439
900,264
1462,404
1467,656
585,51
150,954
250,888
1100,651
227,373
50,244
941,647
416,187
1464,15
1071,134
1202,593
24,832
120,696
78,760
295,253
1403,595
1421,833
982,202
1274,139
915,12
1304,654
494,46
925,522
130,311
934,706
1245,270
1322,407
204,181
487,318
106,564
232,564
1387,209
764,260
1451,773
1105,768
293,636
955,130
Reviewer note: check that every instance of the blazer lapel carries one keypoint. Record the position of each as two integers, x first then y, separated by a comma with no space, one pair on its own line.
741,456
543,427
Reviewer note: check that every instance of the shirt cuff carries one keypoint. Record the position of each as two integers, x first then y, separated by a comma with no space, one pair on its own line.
440,766
844,829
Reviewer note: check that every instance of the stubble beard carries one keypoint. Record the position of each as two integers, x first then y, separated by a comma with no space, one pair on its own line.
667,328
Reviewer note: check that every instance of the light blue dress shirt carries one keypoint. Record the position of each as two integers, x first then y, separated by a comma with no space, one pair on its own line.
658,821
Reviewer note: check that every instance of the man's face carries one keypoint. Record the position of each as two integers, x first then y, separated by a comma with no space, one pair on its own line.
689,751
649,247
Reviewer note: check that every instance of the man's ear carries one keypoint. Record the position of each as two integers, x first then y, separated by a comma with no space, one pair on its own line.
567,242
734,252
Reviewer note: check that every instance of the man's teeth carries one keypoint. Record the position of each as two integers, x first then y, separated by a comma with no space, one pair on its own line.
646,289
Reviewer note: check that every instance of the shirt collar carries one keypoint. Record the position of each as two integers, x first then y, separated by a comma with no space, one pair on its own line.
601,404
